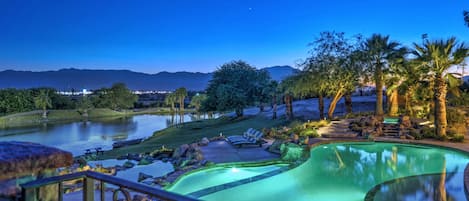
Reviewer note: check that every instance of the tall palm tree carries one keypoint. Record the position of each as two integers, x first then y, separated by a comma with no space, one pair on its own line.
393,79
379,49
466,17
438,56
181,94
43,101
170,99
289,87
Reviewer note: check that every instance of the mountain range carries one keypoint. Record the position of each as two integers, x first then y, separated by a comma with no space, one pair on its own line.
68,79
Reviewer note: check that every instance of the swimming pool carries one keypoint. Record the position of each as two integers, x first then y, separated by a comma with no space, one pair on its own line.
216,176
348,171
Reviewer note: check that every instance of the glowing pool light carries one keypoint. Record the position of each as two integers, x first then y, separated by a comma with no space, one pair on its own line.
234,170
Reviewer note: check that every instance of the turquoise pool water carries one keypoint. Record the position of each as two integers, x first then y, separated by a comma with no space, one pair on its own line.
217,176
348,171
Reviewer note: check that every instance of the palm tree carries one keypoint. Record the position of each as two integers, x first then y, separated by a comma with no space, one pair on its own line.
43,101
438,56
394,79
289,86
84,106
170,99
379,49
466,17
181,94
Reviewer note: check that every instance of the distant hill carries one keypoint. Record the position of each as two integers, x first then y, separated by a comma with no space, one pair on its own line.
67,79
466,78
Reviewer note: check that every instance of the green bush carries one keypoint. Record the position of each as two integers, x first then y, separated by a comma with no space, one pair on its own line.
455,116
428,132
309,132
458,138
414,133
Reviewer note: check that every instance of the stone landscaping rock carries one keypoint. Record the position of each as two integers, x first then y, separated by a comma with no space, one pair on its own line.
180,151
410,137
145,161
128,164
140,198
204,142
291,152
143,176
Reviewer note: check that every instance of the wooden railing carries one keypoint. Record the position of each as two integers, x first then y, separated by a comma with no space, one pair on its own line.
30,190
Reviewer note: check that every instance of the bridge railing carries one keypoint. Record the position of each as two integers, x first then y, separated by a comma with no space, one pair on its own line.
30,190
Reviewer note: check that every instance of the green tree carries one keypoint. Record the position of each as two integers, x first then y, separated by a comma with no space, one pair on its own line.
263,88
334,69
117,97
14,101
169,100
379,50
43,101
84,106
181,94
438,56
393,77
290,87
197,101
233,87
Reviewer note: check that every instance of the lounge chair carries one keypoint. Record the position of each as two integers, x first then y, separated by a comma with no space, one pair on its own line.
250,132
254,140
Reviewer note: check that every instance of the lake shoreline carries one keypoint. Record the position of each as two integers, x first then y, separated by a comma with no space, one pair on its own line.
34,118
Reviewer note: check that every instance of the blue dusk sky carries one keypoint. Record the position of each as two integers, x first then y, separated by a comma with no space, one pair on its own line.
200,35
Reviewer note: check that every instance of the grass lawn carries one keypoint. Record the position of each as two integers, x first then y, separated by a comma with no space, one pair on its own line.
194,131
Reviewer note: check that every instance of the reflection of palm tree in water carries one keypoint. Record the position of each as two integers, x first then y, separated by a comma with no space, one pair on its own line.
424,187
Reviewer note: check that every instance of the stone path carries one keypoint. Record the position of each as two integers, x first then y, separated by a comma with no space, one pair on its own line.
224,152
338,129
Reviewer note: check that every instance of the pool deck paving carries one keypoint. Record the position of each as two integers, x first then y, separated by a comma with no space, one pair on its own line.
224,152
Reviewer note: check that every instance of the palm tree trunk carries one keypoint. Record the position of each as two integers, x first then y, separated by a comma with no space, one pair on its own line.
408,99
394,103
274,107
440,106
321,106
239,112
44,113
348,103
333,104
379,90
288,107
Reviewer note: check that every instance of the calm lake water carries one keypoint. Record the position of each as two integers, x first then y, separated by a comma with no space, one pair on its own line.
76,137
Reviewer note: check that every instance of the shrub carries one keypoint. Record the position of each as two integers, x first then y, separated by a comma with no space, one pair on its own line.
455,116
428,132
309,132
416,134
458,138
316,124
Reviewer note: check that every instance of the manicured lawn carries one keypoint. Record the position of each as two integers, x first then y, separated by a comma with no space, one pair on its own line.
194,131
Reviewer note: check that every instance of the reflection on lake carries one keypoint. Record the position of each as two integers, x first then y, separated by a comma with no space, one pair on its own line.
78,136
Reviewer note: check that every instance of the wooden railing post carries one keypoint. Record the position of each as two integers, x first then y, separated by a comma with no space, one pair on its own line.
88,189
29,194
